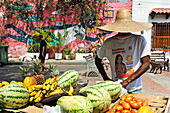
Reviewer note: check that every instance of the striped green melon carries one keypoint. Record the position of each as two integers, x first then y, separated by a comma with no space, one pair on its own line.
13,96
112,87
68,76
75,104
99,97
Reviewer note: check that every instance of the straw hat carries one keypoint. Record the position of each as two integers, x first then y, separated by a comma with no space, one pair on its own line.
125,24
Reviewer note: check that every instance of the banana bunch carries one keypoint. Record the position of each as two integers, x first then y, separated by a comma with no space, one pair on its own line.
4,83
49,88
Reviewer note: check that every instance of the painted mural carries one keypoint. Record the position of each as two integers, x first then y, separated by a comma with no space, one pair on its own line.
19,35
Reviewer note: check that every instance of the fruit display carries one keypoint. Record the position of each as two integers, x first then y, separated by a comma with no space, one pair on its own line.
13,96
64,90
112,87
70,76
99,97
130,104
75,104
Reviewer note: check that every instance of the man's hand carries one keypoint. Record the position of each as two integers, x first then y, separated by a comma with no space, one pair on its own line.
124,83
142,69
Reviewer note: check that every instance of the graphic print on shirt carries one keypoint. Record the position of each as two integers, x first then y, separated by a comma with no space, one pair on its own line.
129,64
120,67
123,62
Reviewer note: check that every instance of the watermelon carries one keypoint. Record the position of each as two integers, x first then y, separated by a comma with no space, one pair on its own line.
13,96
68,76
99,97
75,104
112,87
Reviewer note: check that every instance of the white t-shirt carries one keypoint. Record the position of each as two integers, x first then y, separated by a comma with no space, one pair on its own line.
129,51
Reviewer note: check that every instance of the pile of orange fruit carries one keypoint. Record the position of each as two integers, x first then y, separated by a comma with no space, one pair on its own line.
130,104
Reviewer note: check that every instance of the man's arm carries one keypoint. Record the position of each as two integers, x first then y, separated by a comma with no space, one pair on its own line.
101,69
142,69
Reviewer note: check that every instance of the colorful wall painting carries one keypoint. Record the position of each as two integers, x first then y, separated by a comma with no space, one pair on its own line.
17,35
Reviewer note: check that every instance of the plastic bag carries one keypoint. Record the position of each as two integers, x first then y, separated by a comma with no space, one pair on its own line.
54,109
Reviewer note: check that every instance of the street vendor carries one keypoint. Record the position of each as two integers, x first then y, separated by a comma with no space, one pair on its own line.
127,53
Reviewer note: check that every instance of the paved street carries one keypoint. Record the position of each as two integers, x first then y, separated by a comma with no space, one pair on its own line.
158,84
11,72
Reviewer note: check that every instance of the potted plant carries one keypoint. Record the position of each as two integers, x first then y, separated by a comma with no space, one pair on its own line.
61,41
83,51
67,52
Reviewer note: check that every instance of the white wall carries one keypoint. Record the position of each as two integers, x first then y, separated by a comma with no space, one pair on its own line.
141,10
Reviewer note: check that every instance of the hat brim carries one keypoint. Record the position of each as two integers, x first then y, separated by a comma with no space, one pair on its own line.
126,26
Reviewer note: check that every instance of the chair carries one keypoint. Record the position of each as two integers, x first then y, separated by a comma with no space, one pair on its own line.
91,66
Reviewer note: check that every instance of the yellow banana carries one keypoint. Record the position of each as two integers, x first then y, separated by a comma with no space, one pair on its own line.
53,86
37,95
1,84
46,83
41,95
31,99
33,88
46,95
20,83
44,86
38,99
44,91
5,83
48,87
48,80
13,82
33,93
38,87
55,92
70,94
71,90
53,80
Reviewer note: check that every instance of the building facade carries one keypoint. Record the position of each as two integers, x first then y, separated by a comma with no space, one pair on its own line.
17,36
155,12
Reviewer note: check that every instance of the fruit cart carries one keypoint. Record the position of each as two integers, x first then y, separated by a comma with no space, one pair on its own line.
107,95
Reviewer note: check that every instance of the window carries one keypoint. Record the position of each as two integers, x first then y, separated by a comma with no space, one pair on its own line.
161,36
